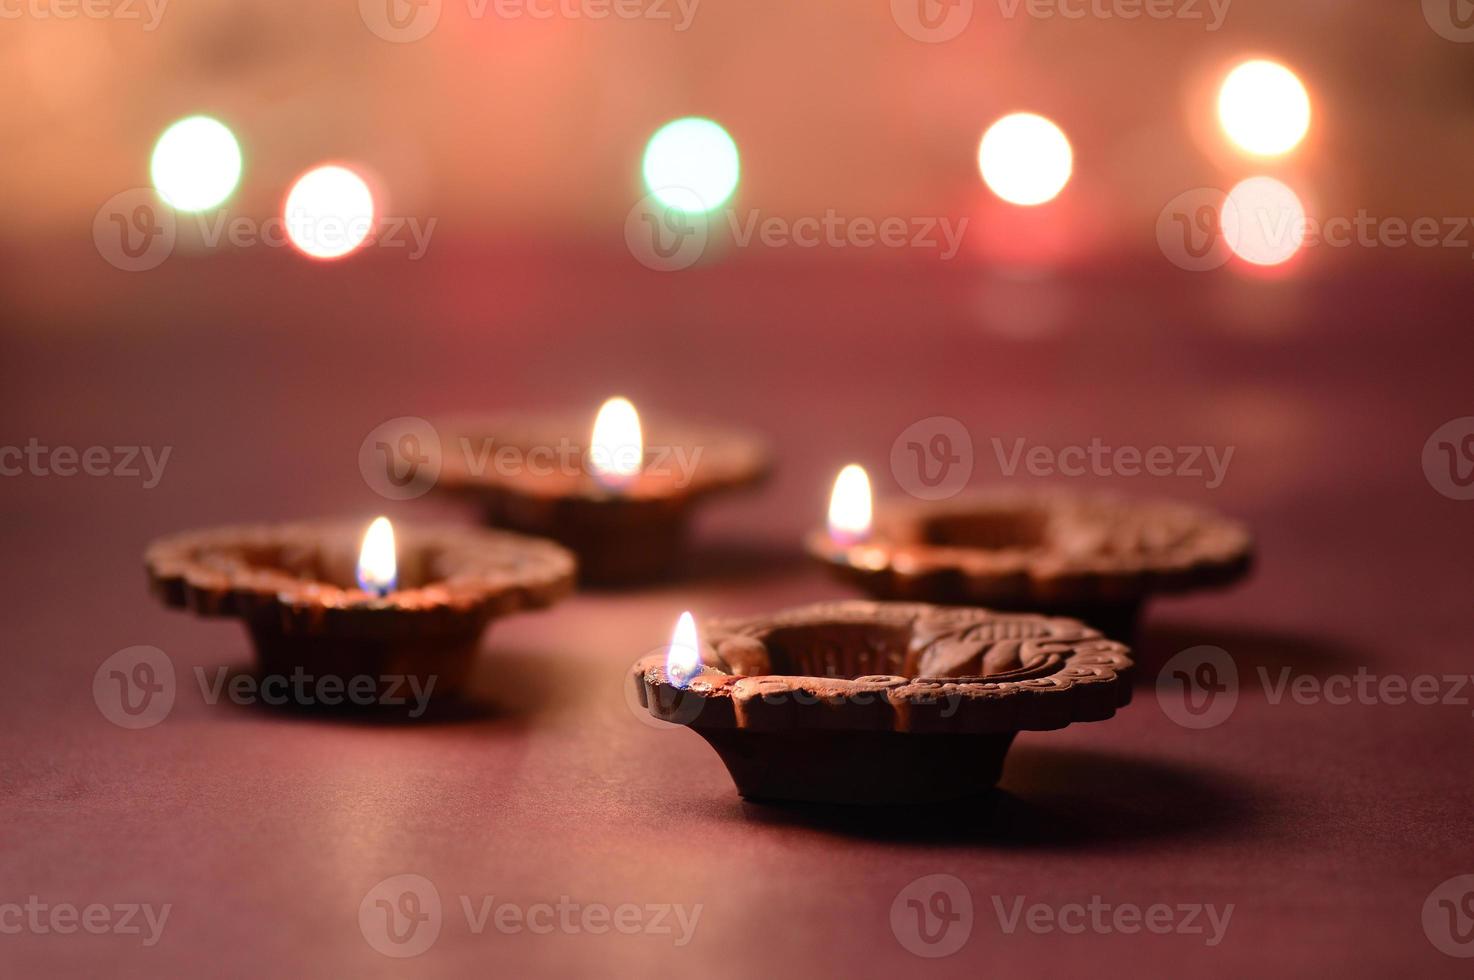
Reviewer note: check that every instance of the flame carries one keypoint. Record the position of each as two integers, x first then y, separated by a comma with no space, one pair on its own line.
617,449
683,656
377,567
849,506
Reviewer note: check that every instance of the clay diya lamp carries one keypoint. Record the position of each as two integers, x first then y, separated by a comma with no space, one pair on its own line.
314,601
1093,557
879,702
621,497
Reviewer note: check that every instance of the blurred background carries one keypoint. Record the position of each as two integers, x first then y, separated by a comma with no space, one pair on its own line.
504,144
503,124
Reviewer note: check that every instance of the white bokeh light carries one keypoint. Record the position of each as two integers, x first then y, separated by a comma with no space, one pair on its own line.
691,158
1263,108
195,164
1263,221
1025,159
329,212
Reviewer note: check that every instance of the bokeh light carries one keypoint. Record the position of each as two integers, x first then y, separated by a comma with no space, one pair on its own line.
691,158
1263,108
1025,159
196,164
1263,221
329,212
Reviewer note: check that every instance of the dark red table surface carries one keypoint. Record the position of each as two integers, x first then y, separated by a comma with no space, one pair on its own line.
1325,826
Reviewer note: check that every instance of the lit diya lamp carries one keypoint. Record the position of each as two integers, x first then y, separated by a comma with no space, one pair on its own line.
1093,557
620,497
879,702
319,600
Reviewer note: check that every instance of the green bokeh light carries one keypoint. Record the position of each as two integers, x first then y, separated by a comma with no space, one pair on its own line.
196,164
691,165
